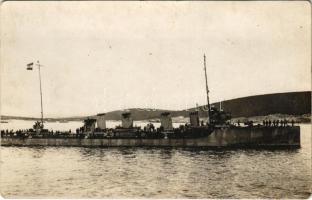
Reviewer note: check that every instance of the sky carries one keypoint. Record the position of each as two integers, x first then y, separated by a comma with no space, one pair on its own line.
104,56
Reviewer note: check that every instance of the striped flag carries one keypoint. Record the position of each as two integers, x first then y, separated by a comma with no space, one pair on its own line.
30,66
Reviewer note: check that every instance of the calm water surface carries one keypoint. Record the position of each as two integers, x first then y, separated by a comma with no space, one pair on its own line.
156,173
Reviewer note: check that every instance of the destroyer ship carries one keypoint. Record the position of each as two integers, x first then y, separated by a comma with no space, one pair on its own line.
216,132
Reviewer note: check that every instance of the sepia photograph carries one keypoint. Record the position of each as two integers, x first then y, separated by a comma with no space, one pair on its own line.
155,100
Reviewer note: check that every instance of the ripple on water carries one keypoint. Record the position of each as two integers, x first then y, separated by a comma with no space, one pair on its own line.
156,173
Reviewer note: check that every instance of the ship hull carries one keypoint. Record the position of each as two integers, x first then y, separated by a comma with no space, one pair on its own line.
230,137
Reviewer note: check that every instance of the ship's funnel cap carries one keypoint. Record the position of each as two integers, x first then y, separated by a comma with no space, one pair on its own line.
89,121
165,114
194,113
126,114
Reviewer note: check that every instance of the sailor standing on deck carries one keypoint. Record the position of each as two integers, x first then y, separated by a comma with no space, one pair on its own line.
282,122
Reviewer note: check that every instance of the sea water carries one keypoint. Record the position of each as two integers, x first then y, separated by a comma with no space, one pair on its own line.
71,172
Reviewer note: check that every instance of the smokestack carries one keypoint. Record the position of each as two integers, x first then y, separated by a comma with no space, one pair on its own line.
126,120
100,120
194,119
89,125
166,121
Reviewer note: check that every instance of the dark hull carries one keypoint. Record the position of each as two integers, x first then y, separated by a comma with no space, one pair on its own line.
230,137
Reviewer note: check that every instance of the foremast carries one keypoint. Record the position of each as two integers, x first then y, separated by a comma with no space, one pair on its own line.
39,66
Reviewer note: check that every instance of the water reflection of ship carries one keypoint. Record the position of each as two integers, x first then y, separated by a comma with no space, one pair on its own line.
4,122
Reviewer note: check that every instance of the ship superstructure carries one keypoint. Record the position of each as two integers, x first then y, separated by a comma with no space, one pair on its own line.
216,132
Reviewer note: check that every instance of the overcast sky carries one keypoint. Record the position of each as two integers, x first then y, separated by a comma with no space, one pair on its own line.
103,56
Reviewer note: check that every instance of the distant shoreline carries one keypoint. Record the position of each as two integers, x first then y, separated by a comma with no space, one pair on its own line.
305,118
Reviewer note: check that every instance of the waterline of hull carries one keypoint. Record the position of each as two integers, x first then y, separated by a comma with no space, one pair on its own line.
271,137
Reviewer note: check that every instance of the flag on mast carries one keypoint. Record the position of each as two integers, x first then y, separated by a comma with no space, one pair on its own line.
30,66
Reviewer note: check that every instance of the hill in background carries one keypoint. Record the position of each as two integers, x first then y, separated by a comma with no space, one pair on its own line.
283,104
292,103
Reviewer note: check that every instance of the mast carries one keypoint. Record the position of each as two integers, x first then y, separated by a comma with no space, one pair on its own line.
39,66
207,90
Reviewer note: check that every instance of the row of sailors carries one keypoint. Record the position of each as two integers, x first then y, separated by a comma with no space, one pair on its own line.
276,123
269,123
12,132
31,132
